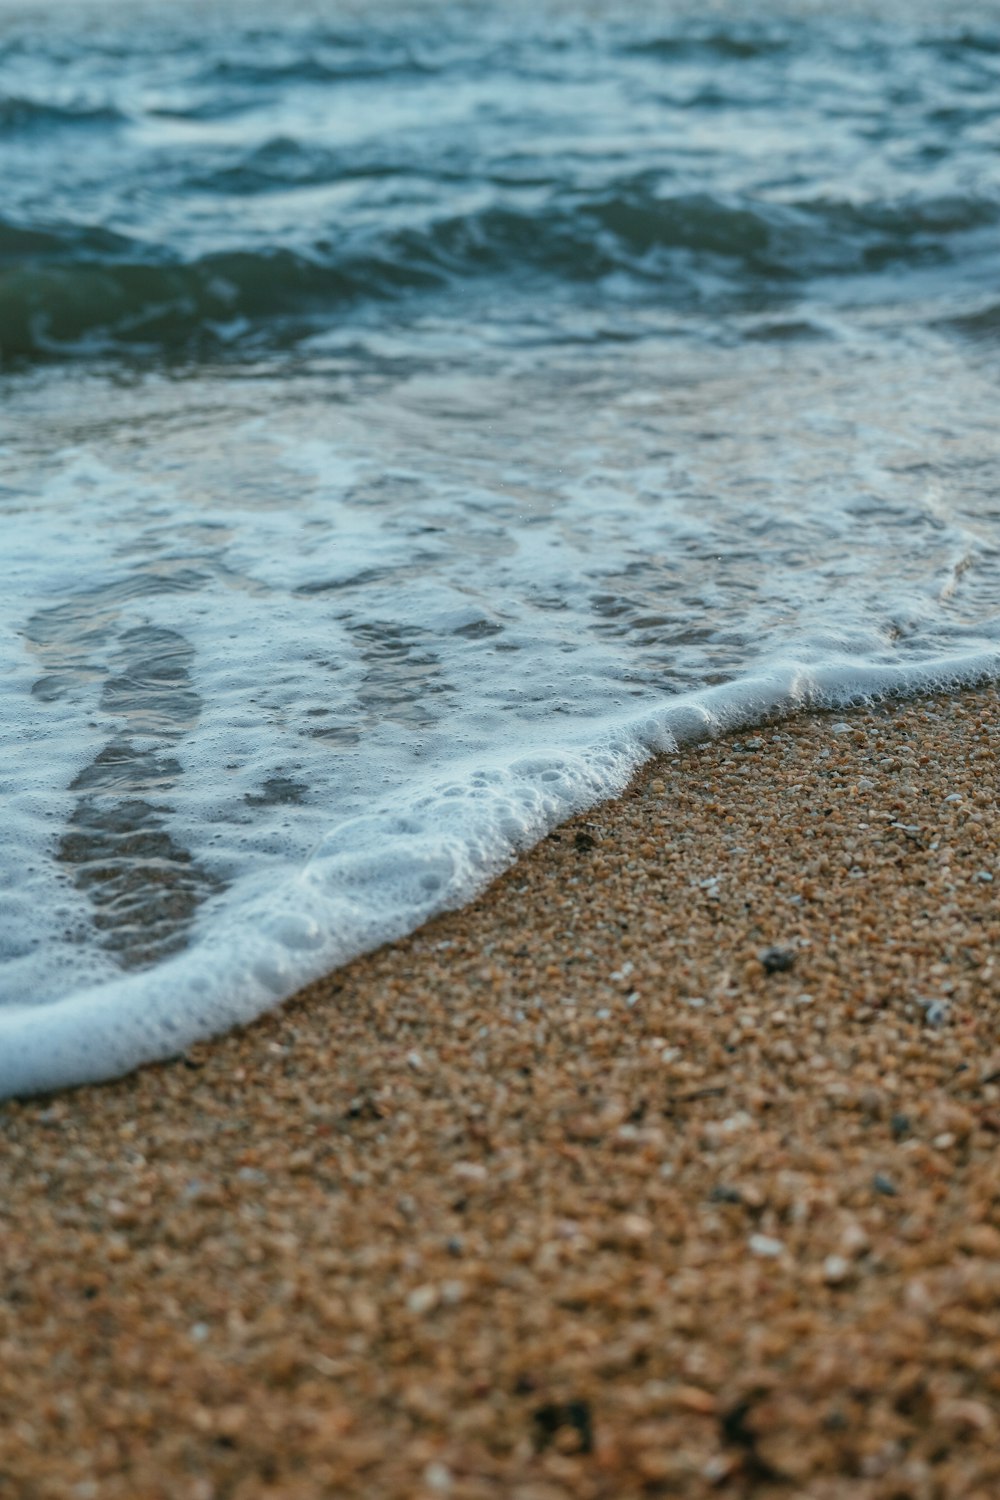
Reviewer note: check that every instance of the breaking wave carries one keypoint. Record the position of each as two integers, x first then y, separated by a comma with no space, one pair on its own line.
66,288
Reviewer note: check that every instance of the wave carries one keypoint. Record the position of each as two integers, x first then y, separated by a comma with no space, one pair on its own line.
67,288
281,163
19,115
379,876
735,46
311,68
982,325
966,40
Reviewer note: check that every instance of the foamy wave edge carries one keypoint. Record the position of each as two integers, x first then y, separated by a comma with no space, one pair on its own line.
380,876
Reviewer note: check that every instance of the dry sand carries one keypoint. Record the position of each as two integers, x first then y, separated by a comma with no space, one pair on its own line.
580,1192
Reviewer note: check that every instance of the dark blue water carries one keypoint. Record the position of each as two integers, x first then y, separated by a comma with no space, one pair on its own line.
185,180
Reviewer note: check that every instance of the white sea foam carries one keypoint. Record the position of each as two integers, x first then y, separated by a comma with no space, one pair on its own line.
379,876
286,675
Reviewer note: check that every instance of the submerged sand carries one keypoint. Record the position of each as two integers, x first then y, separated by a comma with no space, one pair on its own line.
668,1168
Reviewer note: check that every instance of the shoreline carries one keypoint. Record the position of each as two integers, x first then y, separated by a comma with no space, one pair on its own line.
667,1166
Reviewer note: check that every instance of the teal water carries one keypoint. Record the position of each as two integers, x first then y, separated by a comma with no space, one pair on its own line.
189,180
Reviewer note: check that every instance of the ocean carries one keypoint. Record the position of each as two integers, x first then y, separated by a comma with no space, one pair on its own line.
414,416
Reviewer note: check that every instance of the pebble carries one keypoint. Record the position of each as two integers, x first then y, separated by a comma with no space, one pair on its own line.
438,1478
423,1299
763,1244
776,960
936,1012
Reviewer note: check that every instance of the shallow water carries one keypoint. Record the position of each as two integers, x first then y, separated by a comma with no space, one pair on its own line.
412,416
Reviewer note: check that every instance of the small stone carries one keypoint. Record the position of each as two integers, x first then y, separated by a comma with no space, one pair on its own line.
885,1185
694,1398
836,1270
990,1069
973,1415
423,1299
721,1193
854,1239
776,960
635,1228
719,1467
764,1245
472,1172
655,1465
982,1239
437,1477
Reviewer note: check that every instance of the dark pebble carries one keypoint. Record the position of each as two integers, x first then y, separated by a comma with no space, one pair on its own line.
776,960
723,1194
572,1414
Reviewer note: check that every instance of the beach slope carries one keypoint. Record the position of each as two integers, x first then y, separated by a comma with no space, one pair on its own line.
669,1167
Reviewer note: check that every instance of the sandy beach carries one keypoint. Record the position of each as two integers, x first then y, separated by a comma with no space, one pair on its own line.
668,1168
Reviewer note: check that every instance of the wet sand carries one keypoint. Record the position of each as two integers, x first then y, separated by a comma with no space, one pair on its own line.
668,1168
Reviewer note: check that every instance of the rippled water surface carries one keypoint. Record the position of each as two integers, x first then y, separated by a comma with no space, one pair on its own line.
412,415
